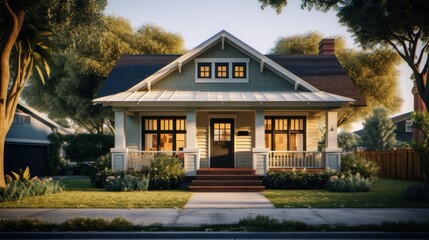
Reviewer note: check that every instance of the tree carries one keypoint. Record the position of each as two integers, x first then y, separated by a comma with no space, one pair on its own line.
87,57
347,141
403,25
421,122
378,131
374,73
24,48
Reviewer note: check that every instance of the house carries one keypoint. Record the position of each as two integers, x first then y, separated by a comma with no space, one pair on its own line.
404,127
27,141
225,105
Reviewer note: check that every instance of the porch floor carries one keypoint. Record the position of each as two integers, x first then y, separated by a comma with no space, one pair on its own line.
226,180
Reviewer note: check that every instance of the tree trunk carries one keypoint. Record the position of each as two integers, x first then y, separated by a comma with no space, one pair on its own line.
2,143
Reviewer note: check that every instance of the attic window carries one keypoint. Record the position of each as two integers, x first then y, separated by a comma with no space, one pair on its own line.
221,70
204,70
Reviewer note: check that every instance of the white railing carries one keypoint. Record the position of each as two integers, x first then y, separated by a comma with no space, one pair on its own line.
295,159
138,159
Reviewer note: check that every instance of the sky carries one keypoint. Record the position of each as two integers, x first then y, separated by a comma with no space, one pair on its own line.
198,20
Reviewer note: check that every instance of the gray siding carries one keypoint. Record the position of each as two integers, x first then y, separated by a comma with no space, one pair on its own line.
133,132
36,130
265,81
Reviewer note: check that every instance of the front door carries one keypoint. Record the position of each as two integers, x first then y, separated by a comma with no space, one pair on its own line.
222,143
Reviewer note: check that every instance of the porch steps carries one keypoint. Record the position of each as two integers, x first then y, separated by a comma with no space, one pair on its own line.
226,180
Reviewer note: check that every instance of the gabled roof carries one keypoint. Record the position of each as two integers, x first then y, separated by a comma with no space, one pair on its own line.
223,36
402,117
39,116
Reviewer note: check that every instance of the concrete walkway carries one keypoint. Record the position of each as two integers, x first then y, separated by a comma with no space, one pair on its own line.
228,200
196,217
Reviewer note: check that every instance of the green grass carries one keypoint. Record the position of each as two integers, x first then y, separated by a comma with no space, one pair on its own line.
79,193
386,194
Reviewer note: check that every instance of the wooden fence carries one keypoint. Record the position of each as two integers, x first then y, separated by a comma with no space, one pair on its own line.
402,164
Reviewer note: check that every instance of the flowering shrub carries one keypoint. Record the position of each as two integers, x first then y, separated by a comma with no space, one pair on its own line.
352,164
126,183
352,183
301,179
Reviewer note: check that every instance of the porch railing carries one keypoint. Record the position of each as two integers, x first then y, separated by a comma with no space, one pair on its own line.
138,159
295,159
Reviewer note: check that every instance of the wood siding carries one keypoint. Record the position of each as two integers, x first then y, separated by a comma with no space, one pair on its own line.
202,138
243,144
133,132
312,133
265,81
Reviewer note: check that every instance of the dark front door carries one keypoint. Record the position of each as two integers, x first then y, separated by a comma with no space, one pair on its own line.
222,143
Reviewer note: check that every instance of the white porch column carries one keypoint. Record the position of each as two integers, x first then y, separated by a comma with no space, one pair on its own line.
332,152
191,151
119,152
260,153
191,129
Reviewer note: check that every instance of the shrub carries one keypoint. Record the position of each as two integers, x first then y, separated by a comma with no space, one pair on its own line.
352,183
166,172
126,183
297,179
19,189
352,164
97,224
416,192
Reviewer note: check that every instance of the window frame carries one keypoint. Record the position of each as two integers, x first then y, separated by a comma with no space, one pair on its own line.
409,125
158,130
288,131
15,121
217,61
204,64
239,64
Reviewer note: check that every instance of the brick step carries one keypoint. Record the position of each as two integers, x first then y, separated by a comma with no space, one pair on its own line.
225,171
226,182
227,177
226,188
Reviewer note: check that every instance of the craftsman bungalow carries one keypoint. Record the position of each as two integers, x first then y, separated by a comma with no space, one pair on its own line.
225,105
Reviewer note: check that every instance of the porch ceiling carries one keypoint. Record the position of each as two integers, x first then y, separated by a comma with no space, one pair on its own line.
229,98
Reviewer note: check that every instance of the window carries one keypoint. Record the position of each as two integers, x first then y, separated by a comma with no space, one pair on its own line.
222,70
26,120
239,70
285,133
164,133
222,132
204,70
409,125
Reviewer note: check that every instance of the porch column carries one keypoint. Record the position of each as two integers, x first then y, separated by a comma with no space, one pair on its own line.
332,152
119,152
191,152
260,153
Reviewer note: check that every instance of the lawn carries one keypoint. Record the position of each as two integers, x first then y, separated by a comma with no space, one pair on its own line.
79,193
386,194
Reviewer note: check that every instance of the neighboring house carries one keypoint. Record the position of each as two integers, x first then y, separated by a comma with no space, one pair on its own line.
404,127
27,141
225,105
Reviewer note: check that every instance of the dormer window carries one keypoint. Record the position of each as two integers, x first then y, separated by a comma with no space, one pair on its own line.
204,70
239,70
222,70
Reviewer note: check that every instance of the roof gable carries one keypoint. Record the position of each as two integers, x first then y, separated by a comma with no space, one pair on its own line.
222,37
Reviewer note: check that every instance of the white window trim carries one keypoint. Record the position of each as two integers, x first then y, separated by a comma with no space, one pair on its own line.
213,62
409,125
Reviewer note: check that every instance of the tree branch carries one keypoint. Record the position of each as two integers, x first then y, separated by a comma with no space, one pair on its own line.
422,53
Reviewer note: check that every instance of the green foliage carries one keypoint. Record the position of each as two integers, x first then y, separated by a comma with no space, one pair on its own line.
87,147
297,179
352,183
416,192
347,141
421,122
97,224
126,183
352,164
166,172
22,188
22,175
378,131
55,163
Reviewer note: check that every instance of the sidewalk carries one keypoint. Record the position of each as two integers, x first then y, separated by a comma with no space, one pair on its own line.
195,217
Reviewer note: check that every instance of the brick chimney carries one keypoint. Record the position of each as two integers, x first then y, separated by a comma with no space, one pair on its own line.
327,46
